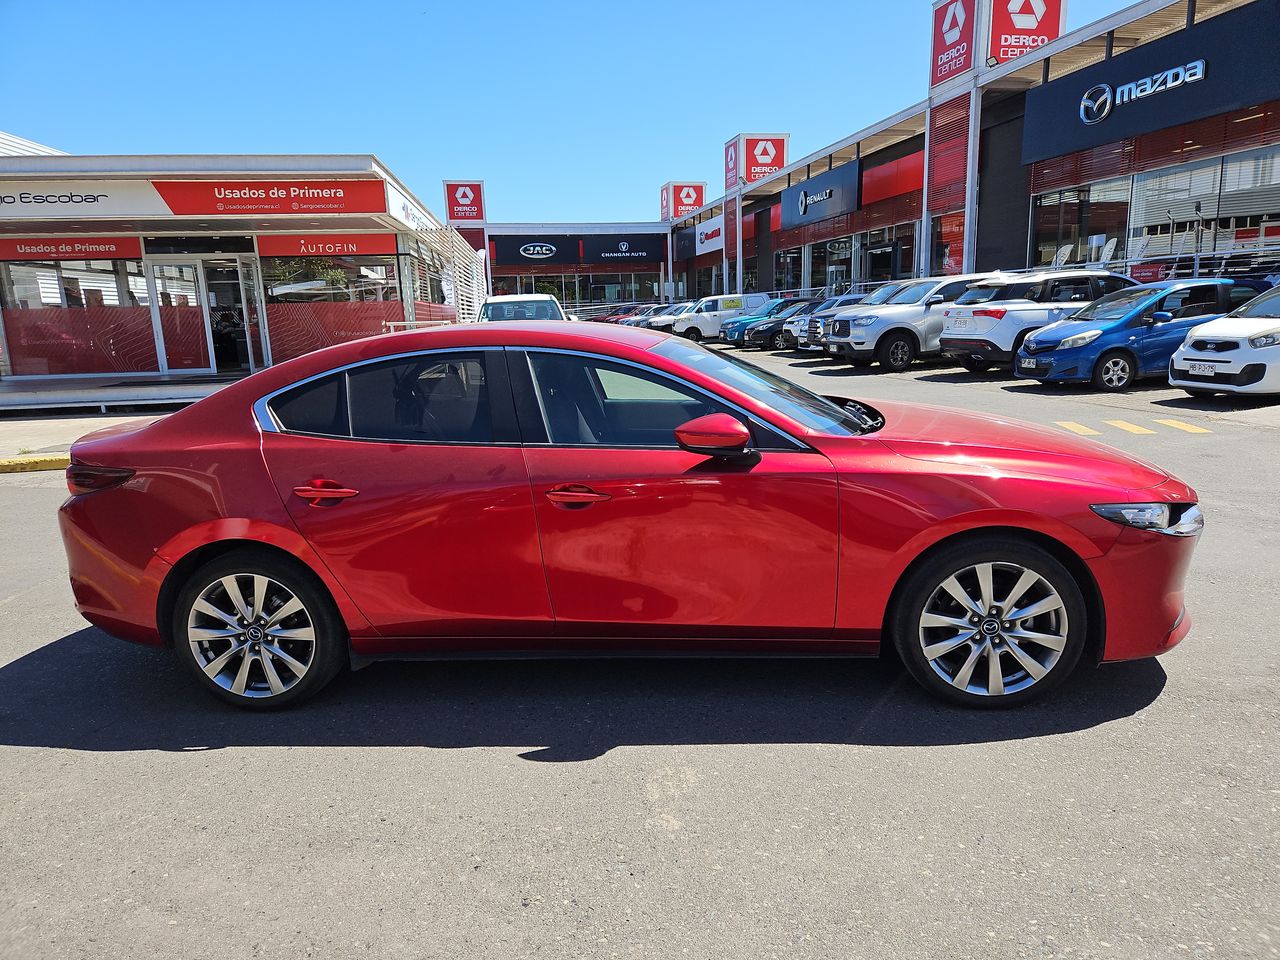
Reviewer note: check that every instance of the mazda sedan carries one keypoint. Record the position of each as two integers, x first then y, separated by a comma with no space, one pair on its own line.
529,490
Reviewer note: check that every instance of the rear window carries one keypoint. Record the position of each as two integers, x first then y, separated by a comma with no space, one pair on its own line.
522,310
984,294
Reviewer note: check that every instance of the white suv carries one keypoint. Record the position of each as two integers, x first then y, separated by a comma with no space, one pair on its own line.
1238,353
522,306
905,326
703,321
987,325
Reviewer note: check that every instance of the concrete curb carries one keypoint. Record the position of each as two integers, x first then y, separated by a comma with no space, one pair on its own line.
45,461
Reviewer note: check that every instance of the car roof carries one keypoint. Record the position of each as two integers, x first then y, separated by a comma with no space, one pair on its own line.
509,298
1036,276
1174,284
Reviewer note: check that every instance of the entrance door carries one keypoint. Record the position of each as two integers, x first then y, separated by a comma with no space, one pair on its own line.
228,317
184,320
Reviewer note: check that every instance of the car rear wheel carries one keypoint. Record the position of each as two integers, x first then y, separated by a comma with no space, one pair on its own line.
896,352
990,623
975,364
258,631
1114,371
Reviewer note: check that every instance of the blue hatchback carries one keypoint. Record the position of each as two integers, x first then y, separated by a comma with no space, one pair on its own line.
1128,334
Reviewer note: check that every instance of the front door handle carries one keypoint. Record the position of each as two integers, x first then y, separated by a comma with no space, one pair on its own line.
321,491
575,494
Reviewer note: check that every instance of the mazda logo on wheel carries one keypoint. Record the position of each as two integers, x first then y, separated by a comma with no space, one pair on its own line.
1095,105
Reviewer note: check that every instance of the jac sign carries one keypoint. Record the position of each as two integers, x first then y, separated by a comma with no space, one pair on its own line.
464,200
753,156
681,199
952,39
1018,26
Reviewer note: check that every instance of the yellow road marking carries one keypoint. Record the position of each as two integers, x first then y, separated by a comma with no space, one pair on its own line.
1079,428
1126,426
1188,427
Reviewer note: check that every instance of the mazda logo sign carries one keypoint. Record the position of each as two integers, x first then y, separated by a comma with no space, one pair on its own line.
1095,105
537,251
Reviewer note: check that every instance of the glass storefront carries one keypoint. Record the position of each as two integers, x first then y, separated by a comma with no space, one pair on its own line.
788,269
314,302
583,288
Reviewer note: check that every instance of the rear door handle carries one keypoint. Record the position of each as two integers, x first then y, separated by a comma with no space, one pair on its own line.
322,491
575,494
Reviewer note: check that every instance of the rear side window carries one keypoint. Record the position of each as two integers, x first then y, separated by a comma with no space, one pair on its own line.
319,407
1075,290
440,398
1112,284
1241,295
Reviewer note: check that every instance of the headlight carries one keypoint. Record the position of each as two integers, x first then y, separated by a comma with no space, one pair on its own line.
1266,340
1173,519
1080,339
864,321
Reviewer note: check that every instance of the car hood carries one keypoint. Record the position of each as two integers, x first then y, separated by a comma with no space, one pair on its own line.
1236,327
1001,445
883,310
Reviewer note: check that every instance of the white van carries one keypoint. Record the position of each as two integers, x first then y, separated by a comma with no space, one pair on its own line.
703,321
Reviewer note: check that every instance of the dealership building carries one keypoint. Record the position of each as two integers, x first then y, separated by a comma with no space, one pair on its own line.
1148,142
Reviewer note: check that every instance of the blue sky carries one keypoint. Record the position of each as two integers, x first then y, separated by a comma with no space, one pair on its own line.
569,111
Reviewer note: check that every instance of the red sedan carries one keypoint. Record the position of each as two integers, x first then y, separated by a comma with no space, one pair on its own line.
542,489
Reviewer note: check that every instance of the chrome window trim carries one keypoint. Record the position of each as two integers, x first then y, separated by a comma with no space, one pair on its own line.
266,419
801,446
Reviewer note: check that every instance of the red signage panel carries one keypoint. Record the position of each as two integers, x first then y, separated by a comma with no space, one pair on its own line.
763,157
664,203
686,198
70,248
731,161
326,244
952,39
256,197
463,200
1019,26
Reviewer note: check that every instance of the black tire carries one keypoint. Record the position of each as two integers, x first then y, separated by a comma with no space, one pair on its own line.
927,579
781,341
694,334
975,364
896,352
1115,371
860,362
329,648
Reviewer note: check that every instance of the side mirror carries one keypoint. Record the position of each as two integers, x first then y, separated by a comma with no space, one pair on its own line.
715,435
936,298
1161,316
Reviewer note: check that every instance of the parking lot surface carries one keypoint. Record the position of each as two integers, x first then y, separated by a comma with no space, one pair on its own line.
667,809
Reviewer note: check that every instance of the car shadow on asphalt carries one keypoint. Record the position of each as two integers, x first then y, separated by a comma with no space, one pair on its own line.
88,691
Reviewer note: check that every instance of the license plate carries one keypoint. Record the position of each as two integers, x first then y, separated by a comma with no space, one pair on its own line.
1202,369
960,323
1027,363
831,349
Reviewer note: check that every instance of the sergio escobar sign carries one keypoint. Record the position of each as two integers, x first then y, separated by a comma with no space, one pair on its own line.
131,198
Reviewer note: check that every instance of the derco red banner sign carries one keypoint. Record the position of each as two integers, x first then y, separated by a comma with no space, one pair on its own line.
69,248
111,198
681,199
753,156
463,200
1018,26
327,244
952,38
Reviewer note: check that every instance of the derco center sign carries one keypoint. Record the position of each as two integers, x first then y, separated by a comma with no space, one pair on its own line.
463,200
749,157
952,39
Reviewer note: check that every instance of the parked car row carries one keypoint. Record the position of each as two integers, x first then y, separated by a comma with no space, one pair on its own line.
1205,335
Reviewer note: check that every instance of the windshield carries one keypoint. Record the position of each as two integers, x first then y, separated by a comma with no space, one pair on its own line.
912,293
792,310
881,294
1113,306
1265,306
789,399
826,304
521,310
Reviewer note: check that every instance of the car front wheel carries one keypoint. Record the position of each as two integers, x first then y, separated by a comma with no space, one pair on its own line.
990,623
694,334
1115,372
896,352
780,341
258,631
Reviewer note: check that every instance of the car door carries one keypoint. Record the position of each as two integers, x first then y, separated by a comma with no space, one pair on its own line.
643,539
934,318
1186,306
407,478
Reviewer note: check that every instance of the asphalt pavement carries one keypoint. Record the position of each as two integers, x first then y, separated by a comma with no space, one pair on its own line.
666,809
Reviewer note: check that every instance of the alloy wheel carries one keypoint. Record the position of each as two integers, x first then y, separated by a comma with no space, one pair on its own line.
779,341
1115,372
993,629
251,635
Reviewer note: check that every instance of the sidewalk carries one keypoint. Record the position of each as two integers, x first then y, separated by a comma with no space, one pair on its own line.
41,443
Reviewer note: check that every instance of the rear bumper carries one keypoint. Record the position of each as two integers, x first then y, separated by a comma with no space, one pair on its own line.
959,348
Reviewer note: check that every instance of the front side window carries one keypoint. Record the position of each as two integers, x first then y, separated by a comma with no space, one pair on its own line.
953,291
1197,301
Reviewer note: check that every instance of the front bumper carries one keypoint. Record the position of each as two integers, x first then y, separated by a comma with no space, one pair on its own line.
1231,373
1056,366
849,350
959,348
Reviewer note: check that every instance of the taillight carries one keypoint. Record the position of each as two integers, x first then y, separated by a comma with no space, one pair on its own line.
995,313
82,478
